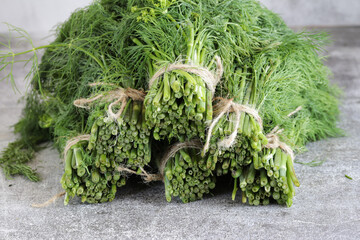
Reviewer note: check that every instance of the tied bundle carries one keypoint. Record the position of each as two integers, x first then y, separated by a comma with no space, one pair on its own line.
118,144
186,92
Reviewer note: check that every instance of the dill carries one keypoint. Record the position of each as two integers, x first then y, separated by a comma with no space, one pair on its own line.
348,177
267,66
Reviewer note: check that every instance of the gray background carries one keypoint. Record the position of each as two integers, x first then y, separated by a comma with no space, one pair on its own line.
326,205
39,16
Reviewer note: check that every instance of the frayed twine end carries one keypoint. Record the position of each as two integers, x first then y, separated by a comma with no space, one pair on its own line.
50,201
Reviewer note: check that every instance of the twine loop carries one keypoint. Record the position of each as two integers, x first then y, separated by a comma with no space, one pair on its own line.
210,79
115,96
226,106
274,140
195,144
73,141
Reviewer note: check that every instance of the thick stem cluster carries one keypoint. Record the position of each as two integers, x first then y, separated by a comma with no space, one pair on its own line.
186,176
178,107
91,167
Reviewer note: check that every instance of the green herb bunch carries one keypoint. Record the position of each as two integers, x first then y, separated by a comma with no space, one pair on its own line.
265,66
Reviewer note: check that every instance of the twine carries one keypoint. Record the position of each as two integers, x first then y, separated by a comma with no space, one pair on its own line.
228,105
118,95
83,102
295,111
48,202
274,140
170,153
195,143
71,142
95,84
146,176
225,106
210,79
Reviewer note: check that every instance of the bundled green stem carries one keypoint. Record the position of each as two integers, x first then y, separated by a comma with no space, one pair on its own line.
94,164
186,176
266,67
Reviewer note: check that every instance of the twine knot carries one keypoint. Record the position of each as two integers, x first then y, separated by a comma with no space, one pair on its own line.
226,106
116,96
274,140
210,79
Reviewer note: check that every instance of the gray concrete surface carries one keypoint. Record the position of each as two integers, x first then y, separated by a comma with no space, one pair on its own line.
326,205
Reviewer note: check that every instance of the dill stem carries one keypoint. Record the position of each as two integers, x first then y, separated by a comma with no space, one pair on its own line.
235,189
28,51
263,178
68,169
282,168
290,168
251,174
167,92
190,42
55,46
277,161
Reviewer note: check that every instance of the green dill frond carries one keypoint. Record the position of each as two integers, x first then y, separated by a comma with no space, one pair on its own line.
14,158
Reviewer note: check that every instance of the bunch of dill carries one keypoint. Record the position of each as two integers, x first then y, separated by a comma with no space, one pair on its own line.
126,42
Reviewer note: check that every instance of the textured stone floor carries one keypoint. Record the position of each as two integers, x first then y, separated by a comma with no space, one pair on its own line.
326,205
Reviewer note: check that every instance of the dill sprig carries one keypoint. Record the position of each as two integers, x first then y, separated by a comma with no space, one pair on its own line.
14,158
